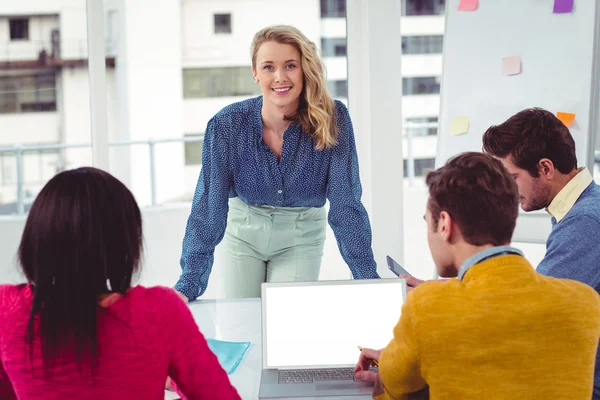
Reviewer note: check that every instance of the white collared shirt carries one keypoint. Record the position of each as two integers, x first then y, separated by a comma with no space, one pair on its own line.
566,198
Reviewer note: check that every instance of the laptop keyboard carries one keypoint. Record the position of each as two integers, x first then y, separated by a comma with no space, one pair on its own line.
316,375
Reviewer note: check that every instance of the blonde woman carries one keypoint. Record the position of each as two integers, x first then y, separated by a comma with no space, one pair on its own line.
268,166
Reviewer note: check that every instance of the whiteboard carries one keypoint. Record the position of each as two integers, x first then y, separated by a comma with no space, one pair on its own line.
559,73
558,69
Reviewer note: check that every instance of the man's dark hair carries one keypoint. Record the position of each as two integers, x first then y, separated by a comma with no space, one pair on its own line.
529,136
479,194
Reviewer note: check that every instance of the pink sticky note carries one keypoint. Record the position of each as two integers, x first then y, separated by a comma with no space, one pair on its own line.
563,6
468,5
511,65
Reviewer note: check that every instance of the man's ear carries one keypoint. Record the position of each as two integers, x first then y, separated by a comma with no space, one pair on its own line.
445,225
546,169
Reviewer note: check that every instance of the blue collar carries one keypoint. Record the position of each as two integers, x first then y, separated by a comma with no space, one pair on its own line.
484,255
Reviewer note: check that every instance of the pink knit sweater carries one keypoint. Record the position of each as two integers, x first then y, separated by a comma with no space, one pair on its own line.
144,336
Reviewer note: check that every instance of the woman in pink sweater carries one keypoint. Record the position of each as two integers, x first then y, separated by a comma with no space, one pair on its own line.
77,329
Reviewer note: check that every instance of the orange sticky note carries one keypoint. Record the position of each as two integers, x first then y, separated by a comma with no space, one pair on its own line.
565,118
511,65
468,5
459,126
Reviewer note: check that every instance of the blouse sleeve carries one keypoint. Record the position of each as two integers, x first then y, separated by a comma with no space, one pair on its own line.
347,215
208,218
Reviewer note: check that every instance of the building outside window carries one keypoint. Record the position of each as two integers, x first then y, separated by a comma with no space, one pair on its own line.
423,7
422,44
422,130
193,150
333,47
218,82
333,8
338,89
420,85
28,93
422,166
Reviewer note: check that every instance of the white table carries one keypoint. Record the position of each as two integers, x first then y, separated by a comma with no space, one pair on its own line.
235,320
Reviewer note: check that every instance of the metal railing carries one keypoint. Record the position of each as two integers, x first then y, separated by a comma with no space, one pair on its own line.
19,150
13,51
409,127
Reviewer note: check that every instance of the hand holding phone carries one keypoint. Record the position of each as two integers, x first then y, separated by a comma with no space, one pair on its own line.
395,267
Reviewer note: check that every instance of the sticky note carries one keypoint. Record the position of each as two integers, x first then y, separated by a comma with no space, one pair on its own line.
566,118
459,126
511,65
563,6
468,5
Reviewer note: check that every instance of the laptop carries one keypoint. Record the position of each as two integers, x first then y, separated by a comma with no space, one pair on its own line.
311,332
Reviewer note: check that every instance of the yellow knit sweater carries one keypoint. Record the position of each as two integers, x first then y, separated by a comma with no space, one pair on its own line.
503,332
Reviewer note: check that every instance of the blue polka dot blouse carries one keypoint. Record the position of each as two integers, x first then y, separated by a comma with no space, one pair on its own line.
237,162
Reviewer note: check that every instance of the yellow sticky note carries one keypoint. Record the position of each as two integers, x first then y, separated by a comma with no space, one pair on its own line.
566,118
459,126
511,65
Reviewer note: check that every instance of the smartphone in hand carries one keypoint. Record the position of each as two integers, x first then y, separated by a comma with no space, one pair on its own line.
395,267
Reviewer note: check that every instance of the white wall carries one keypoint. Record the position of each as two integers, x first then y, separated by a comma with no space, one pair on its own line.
422,25
425,105
422,146
197,112
336,67
11,229
27,128
37,7
333,27
203,48
73,30
24,129
75,119
72,17
421,65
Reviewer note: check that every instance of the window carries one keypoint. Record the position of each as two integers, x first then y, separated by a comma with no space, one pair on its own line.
422,44
338,89
333,8
222,23
426,126
422,166
218,82
333,47
423,7
28,93
193,150
425,85
19,28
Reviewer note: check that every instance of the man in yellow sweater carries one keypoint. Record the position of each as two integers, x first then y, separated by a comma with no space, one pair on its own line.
497,331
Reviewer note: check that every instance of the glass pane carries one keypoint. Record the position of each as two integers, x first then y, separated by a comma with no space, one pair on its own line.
167,83
420,110
44,100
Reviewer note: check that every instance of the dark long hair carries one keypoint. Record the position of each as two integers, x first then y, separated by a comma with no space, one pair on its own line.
82,239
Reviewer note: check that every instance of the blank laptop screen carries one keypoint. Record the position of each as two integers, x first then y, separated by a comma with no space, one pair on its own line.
322,325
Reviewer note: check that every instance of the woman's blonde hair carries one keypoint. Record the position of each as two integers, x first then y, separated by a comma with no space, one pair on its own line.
316,109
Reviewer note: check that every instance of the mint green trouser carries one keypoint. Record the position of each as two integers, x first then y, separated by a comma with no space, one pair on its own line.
270,244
